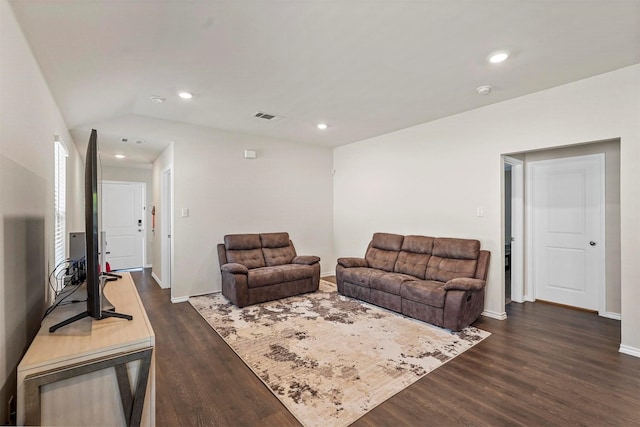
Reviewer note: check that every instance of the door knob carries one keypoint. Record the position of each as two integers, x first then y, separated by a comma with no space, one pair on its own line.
592,243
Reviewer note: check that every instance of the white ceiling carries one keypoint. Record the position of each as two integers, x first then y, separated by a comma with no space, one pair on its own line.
364,67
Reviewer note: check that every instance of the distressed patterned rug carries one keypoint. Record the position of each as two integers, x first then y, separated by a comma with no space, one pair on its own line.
328,358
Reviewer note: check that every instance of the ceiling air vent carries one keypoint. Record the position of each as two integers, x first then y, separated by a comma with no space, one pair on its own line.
267,116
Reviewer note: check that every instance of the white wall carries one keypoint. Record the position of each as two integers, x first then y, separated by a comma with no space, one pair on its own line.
136,174
287,188
29,119
429,179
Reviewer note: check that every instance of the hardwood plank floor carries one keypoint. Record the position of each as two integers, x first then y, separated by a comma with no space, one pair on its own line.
543,366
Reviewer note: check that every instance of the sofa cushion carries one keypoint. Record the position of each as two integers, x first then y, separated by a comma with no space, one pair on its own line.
238,242
414,256
360,276
278,256
389,282
250,258
383,251
447,247
387,241
274,240
244,249
425,292
264,277
445,269
453,258
291,272
277,249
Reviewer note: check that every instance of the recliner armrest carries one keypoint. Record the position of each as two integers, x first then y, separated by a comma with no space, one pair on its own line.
353,262
234,268
464,284
305,259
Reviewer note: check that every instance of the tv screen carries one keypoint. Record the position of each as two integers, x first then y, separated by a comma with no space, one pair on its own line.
94,278
91,227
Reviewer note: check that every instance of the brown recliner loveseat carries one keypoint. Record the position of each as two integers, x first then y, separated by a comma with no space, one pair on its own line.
263,267
436,280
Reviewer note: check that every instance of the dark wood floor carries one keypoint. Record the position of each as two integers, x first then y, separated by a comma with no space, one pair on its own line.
543,366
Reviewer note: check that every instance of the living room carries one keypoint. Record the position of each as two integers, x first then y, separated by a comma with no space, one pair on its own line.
427,178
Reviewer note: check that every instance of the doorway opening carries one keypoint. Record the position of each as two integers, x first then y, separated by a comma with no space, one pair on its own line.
513,174
561,190
166,226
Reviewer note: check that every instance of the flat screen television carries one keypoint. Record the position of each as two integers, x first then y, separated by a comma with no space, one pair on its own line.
94,278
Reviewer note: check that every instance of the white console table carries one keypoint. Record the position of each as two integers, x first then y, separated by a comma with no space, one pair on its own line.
91,372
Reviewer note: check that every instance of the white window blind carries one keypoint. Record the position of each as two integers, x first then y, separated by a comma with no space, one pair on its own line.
59,200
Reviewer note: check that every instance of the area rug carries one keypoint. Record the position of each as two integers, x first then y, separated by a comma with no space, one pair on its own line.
328,358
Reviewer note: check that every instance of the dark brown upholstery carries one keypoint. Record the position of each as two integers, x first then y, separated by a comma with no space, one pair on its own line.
383,251
263,267
436,280
414,256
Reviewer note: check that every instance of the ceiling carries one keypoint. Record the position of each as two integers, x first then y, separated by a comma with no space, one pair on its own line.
363,67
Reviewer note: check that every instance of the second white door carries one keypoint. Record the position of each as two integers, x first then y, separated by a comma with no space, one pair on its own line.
123,221
567,214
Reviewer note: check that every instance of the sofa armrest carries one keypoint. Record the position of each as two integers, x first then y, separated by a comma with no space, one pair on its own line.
353,262
464,284
305,259
234,268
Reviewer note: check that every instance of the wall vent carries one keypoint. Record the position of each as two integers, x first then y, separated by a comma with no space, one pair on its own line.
267,116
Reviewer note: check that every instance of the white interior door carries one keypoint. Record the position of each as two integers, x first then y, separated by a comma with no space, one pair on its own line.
123,221
567,214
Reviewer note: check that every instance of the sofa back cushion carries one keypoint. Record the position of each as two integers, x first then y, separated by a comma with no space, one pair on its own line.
383,251
414,256
451,258
244,249
277,249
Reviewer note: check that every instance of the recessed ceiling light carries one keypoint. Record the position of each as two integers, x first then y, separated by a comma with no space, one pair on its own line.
322,126
157,99
120,156
498,57
185,95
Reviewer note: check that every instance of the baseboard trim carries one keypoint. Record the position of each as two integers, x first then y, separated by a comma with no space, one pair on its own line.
148,266
494,314
179,299
631,351
327,274
157,279
610,315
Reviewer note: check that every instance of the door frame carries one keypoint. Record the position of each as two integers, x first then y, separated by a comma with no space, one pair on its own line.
166,239
602,302
517,229
144,212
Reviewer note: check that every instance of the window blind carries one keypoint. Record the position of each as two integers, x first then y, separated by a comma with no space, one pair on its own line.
59,200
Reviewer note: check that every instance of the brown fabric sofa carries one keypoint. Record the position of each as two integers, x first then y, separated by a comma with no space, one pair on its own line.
437,280
264,267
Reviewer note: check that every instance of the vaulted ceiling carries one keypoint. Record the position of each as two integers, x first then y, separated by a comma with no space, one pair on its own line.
363,67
